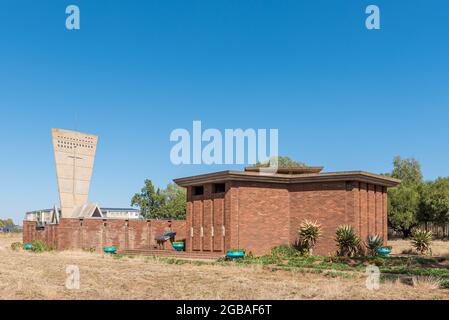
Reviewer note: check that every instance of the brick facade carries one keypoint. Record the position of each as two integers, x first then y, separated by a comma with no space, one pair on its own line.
95,234
260,215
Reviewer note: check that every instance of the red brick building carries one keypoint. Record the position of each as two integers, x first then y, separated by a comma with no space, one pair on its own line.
256,211
249,210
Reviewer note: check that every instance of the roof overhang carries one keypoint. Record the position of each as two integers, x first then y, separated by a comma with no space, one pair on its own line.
225,176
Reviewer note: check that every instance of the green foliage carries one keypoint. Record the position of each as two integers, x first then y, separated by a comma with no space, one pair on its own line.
17,246
444,284
40,246
413,201
373,243
404,200
309,232
407,170
403,206
284,252
282,162
169,203
10,224
288,259
174,203
348,241
338,274
149,200
422,241
434,205
6,222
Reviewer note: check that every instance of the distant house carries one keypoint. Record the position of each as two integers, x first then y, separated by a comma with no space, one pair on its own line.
44,215
48,216
121,213
10,228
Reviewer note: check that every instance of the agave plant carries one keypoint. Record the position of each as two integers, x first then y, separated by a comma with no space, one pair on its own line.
373,243
348,241
309,232
422,240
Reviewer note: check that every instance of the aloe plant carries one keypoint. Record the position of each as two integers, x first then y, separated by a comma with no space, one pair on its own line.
348,241
309,232
422,240
373,243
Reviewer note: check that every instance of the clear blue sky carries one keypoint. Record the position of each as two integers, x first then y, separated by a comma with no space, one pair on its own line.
340,95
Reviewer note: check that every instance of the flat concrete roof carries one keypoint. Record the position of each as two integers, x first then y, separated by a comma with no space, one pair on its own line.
229,175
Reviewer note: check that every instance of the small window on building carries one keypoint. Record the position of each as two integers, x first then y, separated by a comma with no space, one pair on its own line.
219,187
198,190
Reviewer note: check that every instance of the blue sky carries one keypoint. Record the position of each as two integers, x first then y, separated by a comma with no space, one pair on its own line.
341,96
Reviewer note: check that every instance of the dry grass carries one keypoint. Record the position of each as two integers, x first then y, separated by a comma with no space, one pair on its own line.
439,247
25,275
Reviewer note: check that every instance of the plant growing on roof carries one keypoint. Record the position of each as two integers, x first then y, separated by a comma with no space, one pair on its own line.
282,162
309,232
373,243
422,240
348,241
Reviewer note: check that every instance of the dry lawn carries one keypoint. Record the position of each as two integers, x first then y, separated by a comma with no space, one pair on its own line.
26,275
439,247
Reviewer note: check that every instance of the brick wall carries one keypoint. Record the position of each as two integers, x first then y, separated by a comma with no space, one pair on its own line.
325,203
206,220
260,216
95,234
370,210
260,220
49,235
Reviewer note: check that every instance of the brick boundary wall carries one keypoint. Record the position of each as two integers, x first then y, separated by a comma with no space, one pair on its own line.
95,234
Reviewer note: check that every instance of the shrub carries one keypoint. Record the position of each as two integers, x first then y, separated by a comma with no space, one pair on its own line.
444,284
348,241
374,242
40,246
284,252
422,240
309,232
17,246
378,262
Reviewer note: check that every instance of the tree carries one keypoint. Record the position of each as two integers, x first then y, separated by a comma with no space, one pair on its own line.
404,200
403,203
434,204
169,203
283,162
407,170
149,200
175,202
6,222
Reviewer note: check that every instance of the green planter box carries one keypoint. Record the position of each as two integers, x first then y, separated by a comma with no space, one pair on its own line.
235,254
384,252
179,246
110,250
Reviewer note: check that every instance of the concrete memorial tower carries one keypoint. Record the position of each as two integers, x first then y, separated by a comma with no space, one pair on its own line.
74,156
